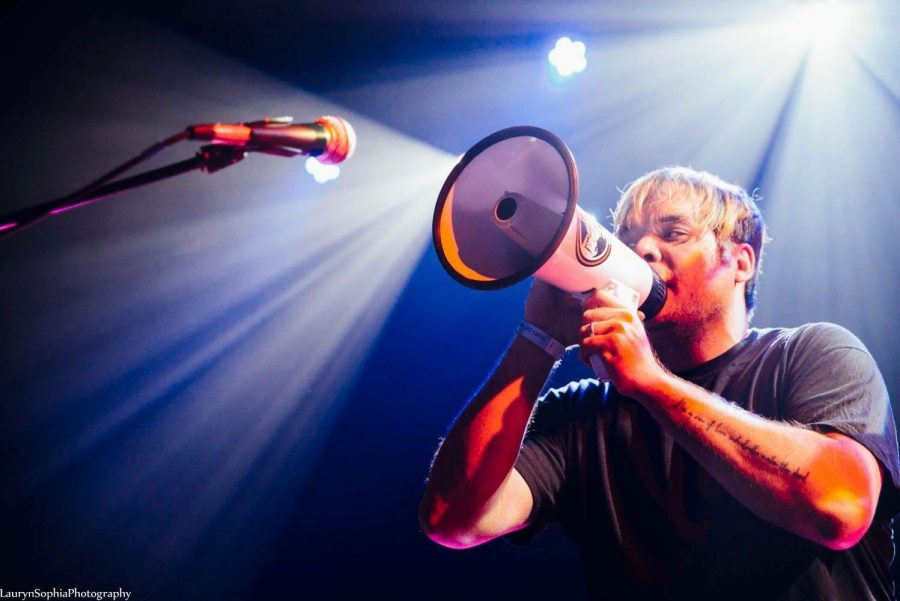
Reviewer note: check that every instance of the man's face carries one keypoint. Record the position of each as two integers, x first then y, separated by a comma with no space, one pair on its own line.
700,279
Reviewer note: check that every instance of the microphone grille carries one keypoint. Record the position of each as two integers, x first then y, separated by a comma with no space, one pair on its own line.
341,140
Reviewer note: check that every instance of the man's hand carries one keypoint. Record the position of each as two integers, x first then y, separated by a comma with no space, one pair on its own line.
554,311
615,331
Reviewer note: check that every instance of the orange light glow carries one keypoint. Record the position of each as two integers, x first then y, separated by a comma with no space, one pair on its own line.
451,248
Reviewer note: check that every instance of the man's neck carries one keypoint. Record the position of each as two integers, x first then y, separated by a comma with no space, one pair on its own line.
683,348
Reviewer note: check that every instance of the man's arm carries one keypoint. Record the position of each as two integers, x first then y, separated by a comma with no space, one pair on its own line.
823,487
474,494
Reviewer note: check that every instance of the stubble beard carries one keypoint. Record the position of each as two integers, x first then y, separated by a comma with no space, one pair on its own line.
682,328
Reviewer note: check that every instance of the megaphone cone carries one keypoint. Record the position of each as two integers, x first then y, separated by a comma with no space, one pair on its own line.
508,210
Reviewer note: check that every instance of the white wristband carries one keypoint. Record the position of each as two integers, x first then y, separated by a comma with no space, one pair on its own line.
545,341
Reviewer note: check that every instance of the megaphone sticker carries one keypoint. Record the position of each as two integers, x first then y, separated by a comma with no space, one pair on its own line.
591,246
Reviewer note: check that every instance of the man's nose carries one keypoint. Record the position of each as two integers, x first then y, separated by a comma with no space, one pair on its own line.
648,249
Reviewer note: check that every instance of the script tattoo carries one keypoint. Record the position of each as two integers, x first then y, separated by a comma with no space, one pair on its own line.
719,428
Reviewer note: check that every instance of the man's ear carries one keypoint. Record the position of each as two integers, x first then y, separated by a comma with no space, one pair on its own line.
745,262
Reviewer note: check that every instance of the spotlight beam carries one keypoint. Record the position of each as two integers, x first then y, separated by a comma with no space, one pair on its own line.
167,410
788,107
878,80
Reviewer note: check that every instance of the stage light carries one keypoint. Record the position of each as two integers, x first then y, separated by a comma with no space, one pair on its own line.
568,57
820,23
321,172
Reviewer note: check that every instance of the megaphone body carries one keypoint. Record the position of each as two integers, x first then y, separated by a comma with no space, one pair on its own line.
588,257
508,210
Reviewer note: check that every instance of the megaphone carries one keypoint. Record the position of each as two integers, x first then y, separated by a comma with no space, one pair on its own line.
508,210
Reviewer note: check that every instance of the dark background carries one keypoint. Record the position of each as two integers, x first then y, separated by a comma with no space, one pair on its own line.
231,386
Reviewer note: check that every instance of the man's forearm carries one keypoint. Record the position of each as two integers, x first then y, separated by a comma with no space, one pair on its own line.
481,448
821,487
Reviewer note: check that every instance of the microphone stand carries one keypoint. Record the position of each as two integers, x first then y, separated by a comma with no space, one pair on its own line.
210,159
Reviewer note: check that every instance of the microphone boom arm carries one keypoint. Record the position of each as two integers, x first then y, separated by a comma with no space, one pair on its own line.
210,158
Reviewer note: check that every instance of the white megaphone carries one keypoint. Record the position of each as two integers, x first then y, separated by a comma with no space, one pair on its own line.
509,210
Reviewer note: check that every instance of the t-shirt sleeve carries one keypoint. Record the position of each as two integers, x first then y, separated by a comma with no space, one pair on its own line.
545,457
835,385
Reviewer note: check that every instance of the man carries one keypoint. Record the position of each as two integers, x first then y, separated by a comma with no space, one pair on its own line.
721,462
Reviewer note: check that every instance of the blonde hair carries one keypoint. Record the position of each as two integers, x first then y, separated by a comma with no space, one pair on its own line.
725,209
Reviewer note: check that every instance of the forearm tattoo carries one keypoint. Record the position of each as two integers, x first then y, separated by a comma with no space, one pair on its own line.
752,449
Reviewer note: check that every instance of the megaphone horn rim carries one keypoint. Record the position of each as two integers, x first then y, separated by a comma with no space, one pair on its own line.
479,147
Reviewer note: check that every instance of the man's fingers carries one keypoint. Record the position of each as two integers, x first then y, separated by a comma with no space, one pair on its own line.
608,313
597,328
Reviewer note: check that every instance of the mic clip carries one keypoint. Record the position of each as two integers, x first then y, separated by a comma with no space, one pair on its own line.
215,157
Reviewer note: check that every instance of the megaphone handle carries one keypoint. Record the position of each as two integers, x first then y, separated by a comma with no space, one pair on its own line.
623,293
596,361
599,368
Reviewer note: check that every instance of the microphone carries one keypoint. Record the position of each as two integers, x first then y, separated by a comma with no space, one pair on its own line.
329,139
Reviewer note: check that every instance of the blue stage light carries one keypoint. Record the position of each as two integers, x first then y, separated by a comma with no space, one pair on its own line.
568,57
321,172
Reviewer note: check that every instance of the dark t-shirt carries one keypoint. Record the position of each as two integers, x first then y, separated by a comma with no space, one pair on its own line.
652,524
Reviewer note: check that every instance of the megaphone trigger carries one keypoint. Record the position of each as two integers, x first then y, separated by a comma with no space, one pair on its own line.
627,295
